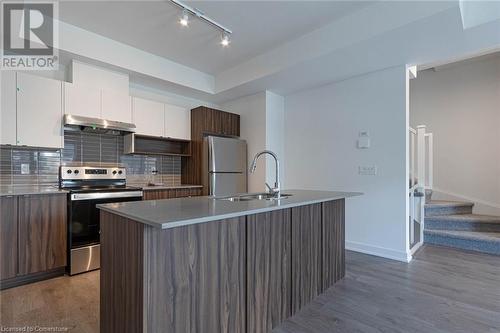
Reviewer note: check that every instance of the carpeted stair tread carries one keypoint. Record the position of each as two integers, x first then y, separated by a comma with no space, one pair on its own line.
475,235
441,207
486,242
444,203
469,218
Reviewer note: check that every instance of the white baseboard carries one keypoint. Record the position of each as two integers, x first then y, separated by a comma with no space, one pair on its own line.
378,251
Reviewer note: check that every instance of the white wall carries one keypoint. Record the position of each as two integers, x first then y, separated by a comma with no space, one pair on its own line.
275,132
460,104
321,129
252,110
262,126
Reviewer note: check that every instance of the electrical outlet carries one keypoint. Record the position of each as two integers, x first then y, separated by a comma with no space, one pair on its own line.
367,170
25,169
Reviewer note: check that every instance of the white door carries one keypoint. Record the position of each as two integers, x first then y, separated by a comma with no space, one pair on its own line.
177,122
39,111
116,106
148,116
81,100
8,108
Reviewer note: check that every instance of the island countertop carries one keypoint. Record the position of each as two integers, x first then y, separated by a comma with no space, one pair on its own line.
171,213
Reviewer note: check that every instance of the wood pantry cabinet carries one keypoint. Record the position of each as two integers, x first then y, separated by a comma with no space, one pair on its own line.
206,121
33,230
242,274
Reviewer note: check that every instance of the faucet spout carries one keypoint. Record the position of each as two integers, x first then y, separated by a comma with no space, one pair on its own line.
277,185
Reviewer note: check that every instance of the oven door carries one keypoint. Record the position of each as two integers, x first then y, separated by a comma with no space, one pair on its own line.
83,227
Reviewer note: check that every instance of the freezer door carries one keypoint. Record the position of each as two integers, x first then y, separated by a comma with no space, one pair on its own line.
226,155
222,184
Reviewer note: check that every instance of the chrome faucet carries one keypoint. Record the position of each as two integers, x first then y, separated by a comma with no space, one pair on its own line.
277,186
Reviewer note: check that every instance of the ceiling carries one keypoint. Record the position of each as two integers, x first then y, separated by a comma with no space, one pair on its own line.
257,26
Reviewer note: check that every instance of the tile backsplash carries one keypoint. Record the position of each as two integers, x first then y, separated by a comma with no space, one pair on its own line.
42,165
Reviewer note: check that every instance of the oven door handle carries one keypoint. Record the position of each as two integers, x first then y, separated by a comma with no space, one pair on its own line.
105,195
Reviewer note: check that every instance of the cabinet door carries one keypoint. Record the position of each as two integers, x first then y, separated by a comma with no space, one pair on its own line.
39,111
116,106
148,116
177,122
306,258
8,108
42,232
230,124
81,100
8,237
268,270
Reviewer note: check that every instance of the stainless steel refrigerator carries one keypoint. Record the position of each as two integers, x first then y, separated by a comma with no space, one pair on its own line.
225,165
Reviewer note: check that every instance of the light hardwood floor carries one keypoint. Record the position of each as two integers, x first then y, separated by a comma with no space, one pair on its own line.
441,290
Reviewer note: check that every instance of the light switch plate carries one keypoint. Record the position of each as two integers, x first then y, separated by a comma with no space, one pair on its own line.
25,169
367,170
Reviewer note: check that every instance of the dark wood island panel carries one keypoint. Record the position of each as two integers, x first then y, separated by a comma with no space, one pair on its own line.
243,274
306,255
269,274
185,279
333,239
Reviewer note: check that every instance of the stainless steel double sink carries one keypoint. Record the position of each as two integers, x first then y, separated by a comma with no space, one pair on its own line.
254,196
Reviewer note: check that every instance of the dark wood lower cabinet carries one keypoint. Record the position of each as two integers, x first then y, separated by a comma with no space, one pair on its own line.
306,255
269,278
42,233
244,274
8,237
172,193
33,233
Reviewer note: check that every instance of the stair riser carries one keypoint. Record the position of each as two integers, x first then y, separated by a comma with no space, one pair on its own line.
490,247
461,226
440,211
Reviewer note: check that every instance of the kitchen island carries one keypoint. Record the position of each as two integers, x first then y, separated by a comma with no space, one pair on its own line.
206,265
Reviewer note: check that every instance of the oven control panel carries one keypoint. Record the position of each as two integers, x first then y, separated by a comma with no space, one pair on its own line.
86,173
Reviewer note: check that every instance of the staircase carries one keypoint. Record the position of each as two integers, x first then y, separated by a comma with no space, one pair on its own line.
450,223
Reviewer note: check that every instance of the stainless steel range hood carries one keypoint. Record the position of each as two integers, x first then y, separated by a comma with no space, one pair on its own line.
97,125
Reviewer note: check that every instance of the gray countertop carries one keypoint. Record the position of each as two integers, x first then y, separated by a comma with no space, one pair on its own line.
171,213
6,190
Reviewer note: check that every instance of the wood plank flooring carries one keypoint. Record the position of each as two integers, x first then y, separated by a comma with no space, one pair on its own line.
441,290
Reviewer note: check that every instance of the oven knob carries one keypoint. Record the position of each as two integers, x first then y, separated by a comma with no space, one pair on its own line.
77,172
69,171
114,172
120,172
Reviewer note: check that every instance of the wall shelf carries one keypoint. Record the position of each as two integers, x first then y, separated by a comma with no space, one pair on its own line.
154,145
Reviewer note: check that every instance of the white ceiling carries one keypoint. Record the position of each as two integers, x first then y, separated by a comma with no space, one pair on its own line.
258,26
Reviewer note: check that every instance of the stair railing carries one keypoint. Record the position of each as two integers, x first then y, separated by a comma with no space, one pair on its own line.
421,177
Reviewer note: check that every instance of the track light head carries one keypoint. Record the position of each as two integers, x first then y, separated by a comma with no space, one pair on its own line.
225,40
184,19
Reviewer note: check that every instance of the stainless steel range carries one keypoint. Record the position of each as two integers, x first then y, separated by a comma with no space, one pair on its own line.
88,186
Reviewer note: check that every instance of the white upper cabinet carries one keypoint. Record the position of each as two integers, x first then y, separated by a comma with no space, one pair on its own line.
39,111
81,100
116,106
177,122
148,116
8,108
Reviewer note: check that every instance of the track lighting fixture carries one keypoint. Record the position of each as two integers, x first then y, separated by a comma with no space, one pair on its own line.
187,11
184,20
